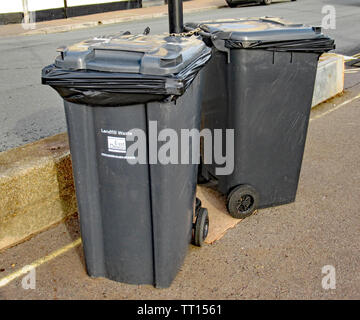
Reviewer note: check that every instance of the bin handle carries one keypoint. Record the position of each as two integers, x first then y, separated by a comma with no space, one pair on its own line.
218,43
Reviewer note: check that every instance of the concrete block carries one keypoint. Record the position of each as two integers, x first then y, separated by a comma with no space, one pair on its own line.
329,78
36,188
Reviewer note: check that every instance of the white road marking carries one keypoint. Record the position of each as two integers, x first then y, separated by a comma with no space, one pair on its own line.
335,108
352,70
24,270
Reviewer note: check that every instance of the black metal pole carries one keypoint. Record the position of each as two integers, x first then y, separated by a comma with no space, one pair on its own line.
65,9
175,8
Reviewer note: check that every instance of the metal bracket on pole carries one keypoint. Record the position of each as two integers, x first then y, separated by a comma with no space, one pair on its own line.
175,9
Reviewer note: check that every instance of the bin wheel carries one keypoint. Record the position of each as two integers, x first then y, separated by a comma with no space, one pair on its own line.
242,201
266,2
201,227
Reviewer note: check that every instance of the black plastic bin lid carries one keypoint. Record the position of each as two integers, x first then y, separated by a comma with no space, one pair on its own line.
265,33
144,54
103,70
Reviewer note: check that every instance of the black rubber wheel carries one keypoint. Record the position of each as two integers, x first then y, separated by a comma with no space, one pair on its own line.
266,2
242,201
201,227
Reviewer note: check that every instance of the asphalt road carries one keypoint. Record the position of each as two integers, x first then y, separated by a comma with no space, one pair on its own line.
31,111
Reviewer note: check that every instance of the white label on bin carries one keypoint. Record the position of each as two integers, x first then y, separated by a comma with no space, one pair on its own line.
117,144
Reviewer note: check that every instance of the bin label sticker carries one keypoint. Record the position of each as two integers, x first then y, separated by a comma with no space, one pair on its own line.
116,144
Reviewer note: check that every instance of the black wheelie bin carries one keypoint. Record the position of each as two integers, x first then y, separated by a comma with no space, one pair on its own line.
136,217
260,82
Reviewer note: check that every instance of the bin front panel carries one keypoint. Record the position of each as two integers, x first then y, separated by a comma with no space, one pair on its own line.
115,212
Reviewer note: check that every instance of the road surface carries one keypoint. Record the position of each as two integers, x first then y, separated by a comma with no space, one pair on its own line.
31,111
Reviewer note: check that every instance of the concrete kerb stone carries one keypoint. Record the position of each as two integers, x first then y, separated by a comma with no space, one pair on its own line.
329,78
89,24
36,188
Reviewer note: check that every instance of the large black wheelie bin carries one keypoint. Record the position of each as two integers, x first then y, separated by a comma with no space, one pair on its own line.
136,219
260,82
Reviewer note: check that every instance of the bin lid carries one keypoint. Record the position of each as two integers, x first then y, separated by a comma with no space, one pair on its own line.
260,29
264,33
127,53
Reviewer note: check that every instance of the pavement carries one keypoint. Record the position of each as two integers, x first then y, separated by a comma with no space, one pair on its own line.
81,22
